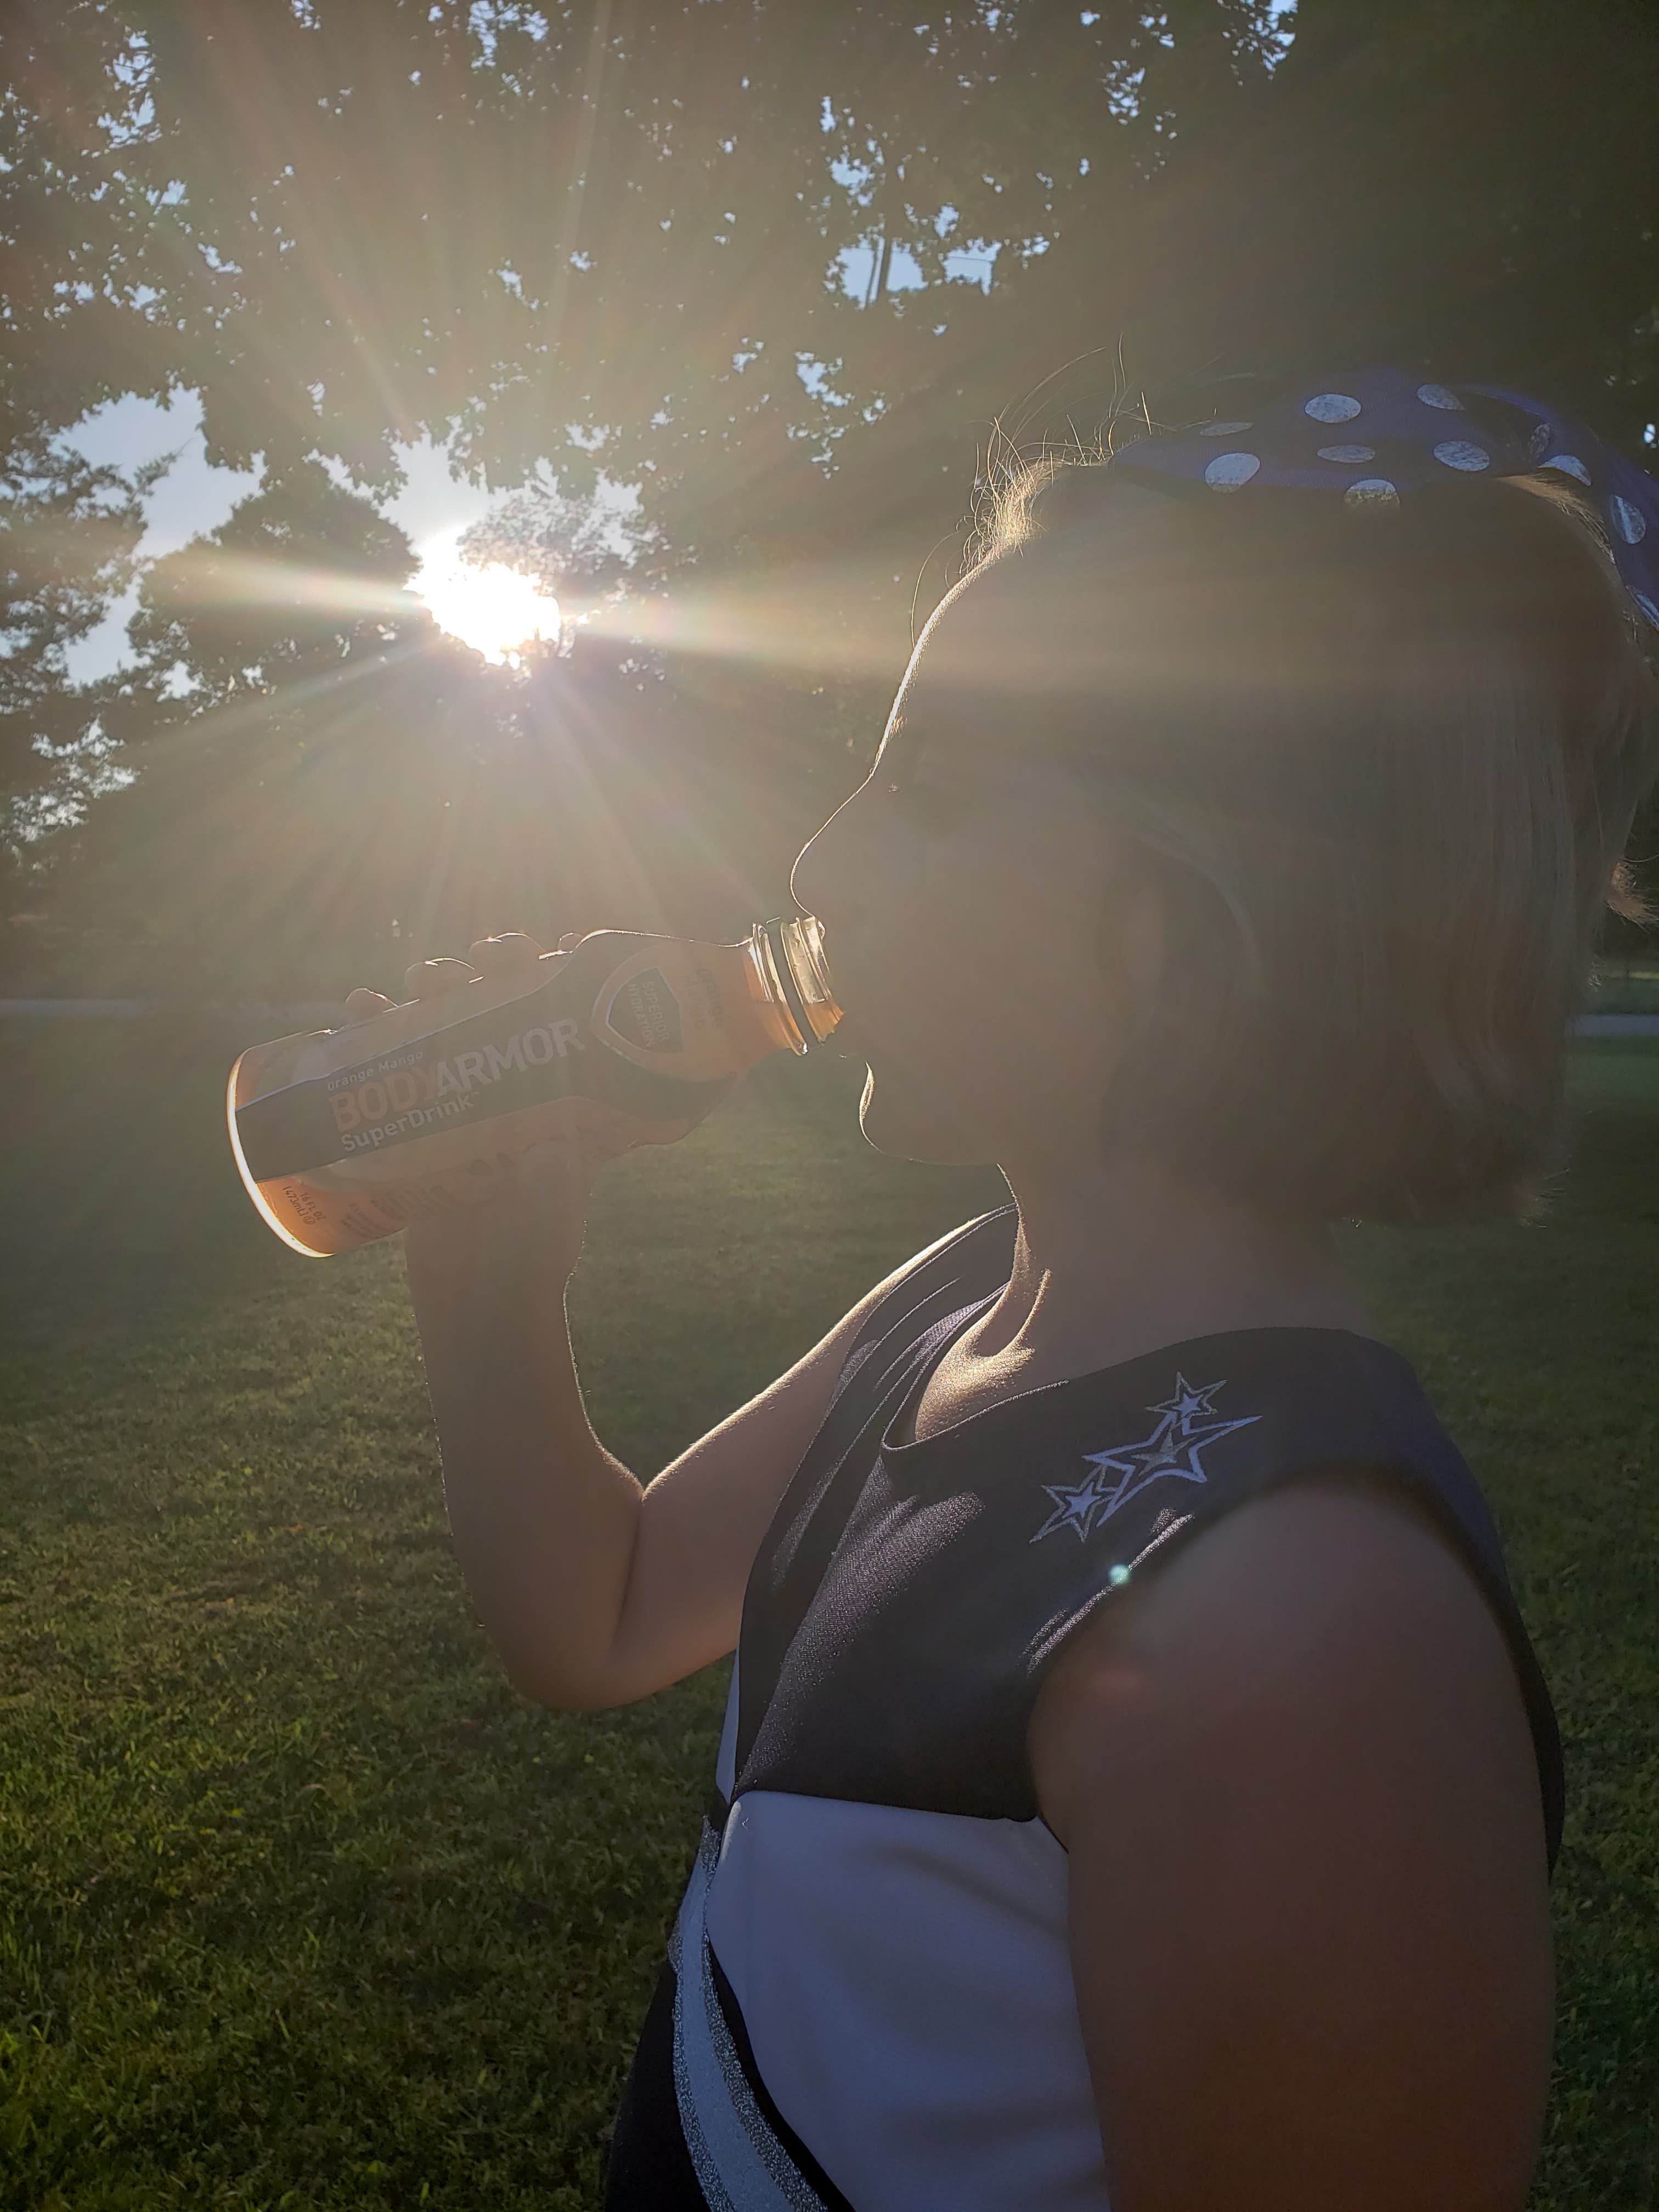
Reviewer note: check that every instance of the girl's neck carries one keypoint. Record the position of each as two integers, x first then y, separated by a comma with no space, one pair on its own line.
1126,1260
1131,1255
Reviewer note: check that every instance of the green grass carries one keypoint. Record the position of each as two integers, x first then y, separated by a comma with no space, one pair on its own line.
300,1906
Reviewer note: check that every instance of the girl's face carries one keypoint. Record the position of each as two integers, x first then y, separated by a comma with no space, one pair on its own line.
990,937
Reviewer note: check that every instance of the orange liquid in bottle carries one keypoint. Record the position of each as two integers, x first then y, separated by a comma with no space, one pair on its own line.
342,1136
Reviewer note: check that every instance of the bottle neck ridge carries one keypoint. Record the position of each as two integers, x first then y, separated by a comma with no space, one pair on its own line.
797,990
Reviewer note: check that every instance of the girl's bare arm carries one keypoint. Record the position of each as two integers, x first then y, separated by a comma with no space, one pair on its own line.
1310,1917
596,1591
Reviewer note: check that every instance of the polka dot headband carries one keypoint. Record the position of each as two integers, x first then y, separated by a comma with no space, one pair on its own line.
1377,435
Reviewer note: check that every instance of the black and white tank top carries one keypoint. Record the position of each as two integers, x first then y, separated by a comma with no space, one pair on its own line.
868,2000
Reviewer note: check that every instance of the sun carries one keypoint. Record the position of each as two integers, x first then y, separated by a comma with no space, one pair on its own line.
494,610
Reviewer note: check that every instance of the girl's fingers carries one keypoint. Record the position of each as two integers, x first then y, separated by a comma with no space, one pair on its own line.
362,1004
430,979
502,955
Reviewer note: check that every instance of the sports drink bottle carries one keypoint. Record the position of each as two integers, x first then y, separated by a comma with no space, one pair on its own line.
342,1136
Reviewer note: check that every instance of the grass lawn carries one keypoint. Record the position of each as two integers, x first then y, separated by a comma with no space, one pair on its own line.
300,1906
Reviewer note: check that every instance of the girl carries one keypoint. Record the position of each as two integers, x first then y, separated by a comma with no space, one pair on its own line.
1138,1787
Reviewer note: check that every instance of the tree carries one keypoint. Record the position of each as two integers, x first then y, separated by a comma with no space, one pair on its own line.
779,270
68,533
328,789
682,242
283,675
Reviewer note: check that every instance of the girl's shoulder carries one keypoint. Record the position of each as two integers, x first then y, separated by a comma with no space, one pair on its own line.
912,1596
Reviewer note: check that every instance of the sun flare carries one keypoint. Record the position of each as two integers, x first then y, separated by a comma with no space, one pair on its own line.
494,610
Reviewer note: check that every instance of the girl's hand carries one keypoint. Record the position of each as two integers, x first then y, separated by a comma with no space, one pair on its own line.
501,959
518,1248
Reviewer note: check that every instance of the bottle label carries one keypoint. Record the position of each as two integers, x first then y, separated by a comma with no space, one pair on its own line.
659,1016
646,1014
668,1010
518,1055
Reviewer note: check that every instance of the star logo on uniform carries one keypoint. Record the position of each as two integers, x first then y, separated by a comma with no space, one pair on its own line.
1188,1423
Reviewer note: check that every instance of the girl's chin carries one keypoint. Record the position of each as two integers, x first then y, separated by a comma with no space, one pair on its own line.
898,1120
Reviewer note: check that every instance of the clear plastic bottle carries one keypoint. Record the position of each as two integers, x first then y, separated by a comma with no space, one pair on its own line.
342,1136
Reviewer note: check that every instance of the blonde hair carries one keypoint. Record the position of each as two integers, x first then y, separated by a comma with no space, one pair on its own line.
1384,767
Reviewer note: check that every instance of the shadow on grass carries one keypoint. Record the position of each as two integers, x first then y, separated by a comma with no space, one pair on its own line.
122,1203
123,1208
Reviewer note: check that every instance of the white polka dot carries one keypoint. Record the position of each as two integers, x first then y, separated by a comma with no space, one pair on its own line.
1629,521
1228,471
1436,395
1570,465
1540,441
1372,491
1649,612
1331,407
1222,429
1459,454
1352,454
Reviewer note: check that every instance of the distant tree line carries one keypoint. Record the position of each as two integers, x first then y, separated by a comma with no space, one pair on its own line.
793,275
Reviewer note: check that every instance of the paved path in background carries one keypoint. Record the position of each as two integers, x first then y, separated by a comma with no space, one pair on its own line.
309,1013
320,1014
328,1013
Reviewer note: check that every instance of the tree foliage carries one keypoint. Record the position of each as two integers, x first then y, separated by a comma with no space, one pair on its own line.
791,274
68,534
635,221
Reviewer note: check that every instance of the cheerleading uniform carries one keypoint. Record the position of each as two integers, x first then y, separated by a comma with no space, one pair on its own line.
868,2001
